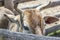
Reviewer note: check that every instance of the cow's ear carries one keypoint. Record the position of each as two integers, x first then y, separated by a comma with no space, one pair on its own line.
50,19
9,17
43,5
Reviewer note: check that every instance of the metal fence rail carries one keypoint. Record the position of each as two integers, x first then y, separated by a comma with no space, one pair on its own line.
8,35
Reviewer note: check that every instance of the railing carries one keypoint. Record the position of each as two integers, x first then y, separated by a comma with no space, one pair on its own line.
8,35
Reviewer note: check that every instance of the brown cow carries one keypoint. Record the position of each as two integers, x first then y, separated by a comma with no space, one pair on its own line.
33,20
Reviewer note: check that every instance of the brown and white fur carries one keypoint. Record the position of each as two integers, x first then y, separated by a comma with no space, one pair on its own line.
33,20
4,22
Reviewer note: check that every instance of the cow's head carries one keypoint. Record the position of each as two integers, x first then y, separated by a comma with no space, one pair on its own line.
33,19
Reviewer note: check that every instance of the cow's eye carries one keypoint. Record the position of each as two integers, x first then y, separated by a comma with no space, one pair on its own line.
26,28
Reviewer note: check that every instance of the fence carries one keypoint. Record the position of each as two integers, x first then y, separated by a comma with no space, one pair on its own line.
8,35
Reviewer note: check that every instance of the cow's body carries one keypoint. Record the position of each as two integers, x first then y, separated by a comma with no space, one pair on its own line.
4,22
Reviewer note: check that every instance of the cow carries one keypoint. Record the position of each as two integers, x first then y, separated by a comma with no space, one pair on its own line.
33,21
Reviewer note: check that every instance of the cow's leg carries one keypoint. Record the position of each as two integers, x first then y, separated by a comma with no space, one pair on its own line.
9,4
